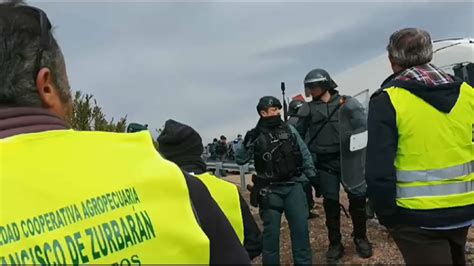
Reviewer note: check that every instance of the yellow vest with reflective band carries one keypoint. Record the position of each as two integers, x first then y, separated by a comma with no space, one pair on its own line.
227,197
435,153
72,197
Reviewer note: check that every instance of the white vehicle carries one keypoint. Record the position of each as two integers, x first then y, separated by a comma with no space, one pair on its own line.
448,55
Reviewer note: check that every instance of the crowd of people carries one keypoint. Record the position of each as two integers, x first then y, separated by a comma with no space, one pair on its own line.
165,208
221,150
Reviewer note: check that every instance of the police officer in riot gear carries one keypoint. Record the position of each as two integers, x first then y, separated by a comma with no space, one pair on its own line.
321,129
284,166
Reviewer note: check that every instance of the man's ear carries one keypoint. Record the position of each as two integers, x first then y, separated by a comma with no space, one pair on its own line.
49,93
395,67
390,59
45,88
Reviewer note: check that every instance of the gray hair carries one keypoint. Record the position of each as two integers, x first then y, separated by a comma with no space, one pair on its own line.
410,47
20,38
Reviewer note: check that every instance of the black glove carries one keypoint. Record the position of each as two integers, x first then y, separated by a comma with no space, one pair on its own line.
308,188
250,137
316,183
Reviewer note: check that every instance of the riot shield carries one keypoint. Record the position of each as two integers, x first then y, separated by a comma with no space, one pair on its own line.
353,139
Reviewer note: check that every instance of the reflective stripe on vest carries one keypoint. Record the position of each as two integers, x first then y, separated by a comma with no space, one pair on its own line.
72,197
449,188
435,175
227,197
435,151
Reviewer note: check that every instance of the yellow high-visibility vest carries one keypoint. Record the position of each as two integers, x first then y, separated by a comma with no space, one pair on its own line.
226,196
435,156
71,197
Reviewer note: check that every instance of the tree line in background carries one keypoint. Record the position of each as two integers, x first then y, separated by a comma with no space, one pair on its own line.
88,115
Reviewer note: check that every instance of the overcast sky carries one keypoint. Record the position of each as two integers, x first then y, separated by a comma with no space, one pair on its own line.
207,63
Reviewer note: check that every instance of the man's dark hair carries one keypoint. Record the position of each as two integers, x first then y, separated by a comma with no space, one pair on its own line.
20,38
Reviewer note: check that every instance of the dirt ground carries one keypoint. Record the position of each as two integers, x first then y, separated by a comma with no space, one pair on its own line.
385,250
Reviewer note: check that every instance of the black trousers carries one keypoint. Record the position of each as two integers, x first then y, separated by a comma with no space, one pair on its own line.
420,246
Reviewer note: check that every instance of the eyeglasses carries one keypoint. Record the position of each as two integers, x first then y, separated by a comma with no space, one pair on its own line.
45,36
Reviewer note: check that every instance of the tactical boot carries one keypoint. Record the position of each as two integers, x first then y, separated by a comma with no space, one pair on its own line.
334,253
358,214
363,247
333,224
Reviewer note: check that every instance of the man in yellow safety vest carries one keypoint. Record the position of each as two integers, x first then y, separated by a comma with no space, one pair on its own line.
70,197
420,154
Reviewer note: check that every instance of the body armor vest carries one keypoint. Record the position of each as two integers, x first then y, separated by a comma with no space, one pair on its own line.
328,139
277,155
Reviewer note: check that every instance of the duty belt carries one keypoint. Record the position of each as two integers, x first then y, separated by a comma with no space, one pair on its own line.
267,189
282,184
262,182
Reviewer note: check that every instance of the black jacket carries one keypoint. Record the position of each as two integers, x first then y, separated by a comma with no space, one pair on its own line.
382,149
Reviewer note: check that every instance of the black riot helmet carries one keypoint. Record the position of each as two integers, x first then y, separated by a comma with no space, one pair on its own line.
136,127
268,101
321,78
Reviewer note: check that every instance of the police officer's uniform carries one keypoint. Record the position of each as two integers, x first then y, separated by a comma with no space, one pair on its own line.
283,165
323,119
